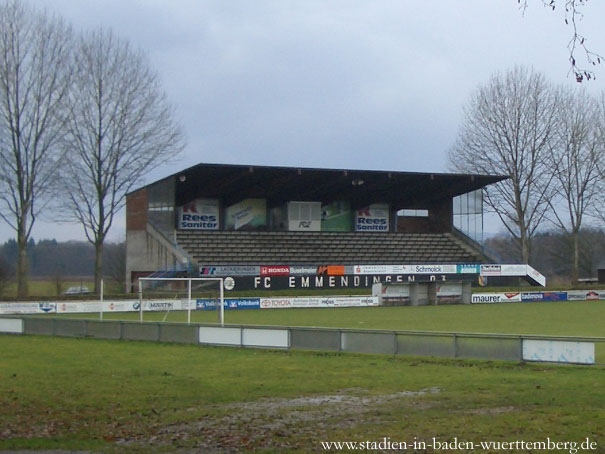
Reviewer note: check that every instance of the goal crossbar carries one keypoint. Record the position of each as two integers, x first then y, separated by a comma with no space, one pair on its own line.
189,280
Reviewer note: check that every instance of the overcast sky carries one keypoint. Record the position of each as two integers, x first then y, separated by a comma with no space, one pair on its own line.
327,83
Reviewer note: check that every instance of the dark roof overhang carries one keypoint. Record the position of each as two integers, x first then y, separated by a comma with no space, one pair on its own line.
233,183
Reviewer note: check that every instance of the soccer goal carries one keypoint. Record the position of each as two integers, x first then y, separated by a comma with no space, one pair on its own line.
168,294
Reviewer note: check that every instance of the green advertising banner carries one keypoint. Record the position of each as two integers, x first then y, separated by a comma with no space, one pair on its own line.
337,217
249,214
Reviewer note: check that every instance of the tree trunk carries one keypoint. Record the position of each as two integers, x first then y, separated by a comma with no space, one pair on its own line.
98,266
525,243
575,268
22,265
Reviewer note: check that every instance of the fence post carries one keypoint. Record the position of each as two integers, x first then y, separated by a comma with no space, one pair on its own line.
455,339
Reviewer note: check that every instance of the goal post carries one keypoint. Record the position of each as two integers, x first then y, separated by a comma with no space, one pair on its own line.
167,291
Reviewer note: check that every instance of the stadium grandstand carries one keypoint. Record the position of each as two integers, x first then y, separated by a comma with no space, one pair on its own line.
237,217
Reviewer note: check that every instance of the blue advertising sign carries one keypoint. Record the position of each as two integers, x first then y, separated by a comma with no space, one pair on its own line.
533,296
544,296
229,304
555,296
468,269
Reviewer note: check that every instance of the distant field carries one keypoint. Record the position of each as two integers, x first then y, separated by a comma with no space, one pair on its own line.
580,318
110,396
47,288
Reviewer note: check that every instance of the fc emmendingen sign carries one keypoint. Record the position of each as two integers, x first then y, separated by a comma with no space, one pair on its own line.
327,282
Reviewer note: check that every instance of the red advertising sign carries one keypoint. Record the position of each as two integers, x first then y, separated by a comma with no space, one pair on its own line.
274,270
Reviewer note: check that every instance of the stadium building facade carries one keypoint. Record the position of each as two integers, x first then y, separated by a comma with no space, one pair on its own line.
251,221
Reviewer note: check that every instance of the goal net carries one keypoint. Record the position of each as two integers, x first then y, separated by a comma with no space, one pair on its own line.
172,298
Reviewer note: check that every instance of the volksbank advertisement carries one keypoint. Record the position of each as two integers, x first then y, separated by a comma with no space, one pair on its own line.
200,214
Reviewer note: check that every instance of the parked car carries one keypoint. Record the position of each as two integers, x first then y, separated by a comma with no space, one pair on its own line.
79,290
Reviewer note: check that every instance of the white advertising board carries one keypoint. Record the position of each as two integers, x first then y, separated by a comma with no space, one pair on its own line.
200,214
536,276
220,336
380,269
345,301
304,216
28,308
496,298
274,338
79,307
559,351
11,326
453,289
431,269
513,270
374,218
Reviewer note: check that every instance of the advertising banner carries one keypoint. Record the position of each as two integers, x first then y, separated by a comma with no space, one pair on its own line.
381,269
200,214
249,214
554,296
374,218
595,295
536,276
281,303
432,269
69,307
274,270
28,308
532,296
337,217
584,295
492,270
304,216
229,303
224,271
453,289
468,269
303,270
117,306
336,282
513,270
496,298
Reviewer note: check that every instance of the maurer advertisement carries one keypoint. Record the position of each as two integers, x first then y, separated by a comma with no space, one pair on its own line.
200,214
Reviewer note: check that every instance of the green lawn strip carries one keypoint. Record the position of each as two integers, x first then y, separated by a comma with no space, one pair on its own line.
89,393
580,318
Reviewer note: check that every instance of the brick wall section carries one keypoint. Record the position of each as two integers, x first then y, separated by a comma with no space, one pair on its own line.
136,210
439,220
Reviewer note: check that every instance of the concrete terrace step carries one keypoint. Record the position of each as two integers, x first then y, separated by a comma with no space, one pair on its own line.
217,248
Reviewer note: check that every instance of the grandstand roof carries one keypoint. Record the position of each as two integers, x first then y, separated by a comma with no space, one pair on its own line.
232,183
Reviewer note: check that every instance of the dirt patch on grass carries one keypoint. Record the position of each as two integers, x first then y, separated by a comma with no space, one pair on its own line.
277,424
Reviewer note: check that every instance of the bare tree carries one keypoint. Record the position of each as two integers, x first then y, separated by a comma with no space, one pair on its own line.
573,15
5,275
599,212
508,128
574,163
34,79
120,127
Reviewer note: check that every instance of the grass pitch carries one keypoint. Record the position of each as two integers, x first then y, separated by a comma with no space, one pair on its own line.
581,318
111,396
